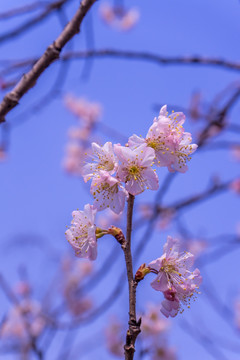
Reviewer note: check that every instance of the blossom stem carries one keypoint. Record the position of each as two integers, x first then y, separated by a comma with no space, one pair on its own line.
134,325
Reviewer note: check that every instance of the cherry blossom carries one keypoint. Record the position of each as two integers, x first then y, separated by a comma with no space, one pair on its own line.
171,144
82,233
174,278
135,169
108,192
104,159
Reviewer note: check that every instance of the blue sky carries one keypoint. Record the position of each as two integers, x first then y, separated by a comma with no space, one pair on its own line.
37,196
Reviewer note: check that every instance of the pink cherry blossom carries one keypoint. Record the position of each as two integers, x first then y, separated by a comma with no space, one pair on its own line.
104,159
171,304
174,277
82,233
108,192
171,144
135,169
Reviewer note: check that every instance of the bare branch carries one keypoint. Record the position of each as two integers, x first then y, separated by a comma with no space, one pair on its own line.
51,54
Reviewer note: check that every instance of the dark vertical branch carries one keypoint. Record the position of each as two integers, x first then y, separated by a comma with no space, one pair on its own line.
134,325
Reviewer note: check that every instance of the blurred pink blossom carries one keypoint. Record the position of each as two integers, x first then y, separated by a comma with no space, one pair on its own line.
196,247
237,313
235,186
153,324
236,152
85,110
118,17
23,322
164,353
115,337
23,288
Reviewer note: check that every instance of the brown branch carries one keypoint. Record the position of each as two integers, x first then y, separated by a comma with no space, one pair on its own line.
51,54
134,55
134,325
218,119
162,60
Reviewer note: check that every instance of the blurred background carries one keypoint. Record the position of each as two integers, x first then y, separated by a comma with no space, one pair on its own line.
129,60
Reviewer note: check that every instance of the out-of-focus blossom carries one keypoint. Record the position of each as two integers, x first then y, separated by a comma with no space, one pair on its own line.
109,218
166,136
108,192
74,158
74,273
237,313
165,219
82,233
118,17
196,247
174,277
195,106
236,152
145,210
115,337
163,353
104,159
135,169
87,111
80,136
235,186
23,288
3,154
23,322
153,324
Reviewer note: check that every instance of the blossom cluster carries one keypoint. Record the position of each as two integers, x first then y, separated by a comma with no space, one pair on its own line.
174,278
23,323
87,114
117,171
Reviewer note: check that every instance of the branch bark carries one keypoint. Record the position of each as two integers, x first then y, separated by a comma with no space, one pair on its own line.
51,54
134,325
